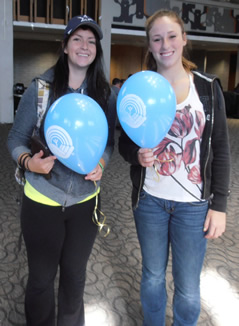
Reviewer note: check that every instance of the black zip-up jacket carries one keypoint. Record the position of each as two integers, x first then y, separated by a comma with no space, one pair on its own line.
215,149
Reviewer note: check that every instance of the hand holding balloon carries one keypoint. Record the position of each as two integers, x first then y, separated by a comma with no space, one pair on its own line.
96,174
146,157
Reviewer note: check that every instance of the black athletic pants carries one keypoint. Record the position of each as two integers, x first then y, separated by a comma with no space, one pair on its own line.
55,238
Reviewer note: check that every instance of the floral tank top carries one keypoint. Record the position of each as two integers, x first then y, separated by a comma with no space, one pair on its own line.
176,173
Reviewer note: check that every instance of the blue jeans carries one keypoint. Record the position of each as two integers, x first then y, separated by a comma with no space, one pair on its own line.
161,223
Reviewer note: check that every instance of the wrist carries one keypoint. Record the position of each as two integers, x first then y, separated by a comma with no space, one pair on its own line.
23,159
27,163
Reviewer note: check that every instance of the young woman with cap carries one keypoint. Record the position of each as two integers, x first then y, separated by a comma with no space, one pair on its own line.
56,213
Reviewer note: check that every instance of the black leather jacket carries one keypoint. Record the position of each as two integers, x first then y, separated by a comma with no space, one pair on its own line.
215,149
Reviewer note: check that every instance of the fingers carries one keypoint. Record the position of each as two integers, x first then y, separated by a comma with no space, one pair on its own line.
214,232
48,158
94,175
41,165
146,157
38,155
215,224
206,224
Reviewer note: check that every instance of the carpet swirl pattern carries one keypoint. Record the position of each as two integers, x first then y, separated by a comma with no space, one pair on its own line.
114,269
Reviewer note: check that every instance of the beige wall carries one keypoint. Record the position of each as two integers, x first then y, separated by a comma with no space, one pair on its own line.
32,58
221,66
125,60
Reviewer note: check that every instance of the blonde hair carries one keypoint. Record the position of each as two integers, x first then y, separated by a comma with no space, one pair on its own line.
149,59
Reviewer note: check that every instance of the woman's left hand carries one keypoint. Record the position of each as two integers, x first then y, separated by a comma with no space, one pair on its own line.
215,224
95,175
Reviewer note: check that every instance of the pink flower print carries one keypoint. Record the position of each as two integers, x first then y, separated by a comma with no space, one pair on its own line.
182,123
189,153
168,161
194,175
199,124
162,145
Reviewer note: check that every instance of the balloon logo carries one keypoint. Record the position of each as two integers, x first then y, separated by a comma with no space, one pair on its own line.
133,111
146,108
59,141
76,132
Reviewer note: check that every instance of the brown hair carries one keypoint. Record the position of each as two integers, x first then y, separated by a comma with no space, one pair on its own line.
97,85
149,59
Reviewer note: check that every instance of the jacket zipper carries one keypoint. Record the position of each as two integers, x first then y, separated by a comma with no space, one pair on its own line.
210,138
69,189
140,187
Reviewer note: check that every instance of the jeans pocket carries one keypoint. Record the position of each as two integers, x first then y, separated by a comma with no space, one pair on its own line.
142,195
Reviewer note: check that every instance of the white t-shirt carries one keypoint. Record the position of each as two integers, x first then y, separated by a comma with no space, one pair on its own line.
178,154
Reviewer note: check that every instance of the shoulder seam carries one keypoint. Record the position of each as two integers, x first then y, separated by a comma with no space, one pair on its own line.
209,79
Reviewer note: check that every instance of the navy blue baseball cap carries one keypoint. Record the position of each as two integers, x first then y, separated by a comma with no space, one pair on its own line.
79,21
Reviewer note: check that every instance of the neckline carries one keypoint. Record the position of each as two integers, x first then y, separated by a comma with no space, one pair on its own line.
189,92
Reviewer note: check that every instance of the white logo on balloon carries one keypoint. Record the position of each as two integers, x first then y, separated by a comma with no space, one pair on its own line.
59,141
132,110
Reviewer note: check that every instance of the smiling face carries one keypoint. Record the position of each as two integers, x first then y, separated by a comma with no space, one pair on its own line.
81,49
166,42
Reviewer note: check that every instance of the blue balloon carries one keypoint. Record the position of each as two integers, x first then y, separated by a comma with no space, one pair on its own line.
146,108
76,132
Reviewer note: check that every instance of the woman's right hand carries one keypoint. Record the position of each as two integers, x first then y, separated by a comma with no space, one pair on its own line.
146,157
41,165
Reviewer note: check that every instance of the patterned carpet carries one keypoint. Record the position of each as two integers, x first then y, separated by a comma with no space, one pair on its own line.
114,269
